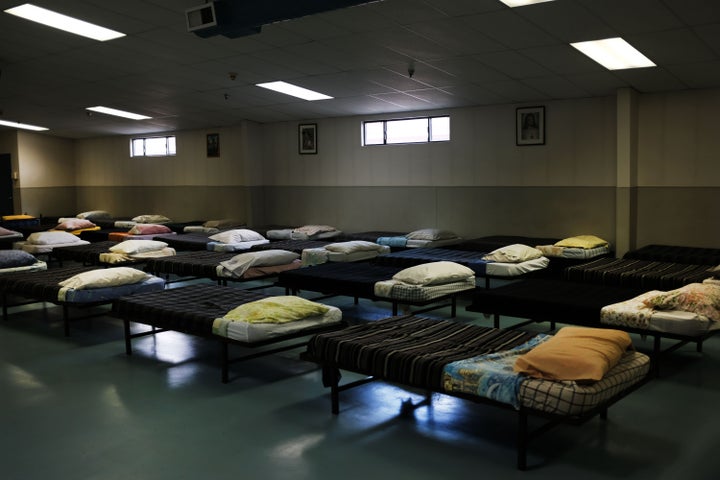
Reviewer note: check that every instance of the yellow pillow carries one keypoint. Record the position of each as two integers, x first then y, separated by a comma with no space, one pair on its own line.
582,241
575,353
279,309
17,217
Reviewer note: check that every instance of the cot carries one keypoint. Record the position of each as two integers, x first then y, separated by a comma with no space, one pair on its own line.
647,274
560,301
345,251
107,252
193,241
209,264
374,282
470,362
92,287
194,309
474,260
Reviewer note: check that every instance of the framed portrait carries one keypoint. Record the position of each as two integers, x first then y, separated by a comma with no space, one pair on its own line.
213,144
307,139
530,126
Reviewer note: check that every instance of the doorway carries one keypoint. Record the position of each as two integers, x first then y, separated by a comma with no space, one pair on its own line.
6,185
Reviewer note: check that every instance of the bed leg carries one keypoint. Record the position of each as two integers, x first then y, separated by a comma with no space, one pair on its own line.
5,308
522,440
453,307
394,308
604,414
128,343
699,346
331,378
496,320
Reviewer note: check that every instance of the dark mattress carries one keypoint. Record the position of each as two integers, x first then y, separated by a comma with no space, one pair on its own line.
650,275
101,235
42,285
493,242
191,309
416,256
551,300
188,264
409,350
676,254
185,241
296,246
370,236
341,278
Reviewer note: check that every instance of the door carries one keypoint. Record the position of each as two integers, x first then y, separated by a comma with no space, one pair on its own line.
6,185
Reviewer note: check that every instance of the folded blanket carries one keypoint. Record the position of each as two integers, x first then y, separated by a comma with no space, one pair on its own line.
392,241
384,288
314,256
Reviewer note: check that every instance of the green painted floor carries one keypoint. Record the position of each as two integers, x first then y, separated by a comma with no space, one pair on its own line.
78,408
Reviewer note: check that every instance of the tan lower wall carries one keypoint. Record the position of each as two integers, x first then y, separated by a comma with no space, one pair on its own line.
48,201
468,211
667,215
678,216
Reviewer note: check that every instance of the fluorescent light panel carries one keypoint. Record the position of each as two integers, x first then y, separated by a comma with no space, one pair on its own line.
63,22
294,90
522,3
24,126
117,113
614,53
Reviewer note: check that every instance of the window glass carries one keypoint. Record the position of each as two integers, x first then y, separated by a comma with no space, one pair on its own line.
407,130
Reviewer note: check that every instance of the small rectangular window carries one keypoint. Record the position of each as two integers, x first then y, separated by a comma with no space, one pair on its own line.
152,147
408,130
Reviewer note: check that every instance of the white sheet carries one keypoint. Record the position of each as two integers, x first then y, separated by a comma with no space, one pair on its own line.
255,332
501,269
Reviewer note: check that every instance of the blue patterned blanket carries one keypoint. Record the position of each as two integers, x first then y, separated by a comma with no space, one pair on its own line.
490,376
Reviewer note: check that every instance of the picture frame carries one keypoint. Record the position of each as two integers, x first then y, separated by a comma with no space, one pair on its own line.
530,126
307,139
213,144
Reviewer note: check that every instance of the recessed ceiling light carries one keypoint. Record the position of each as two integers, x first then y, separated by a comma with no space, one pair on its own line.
522,3
614,53
24,126
63,22
117,113
294,90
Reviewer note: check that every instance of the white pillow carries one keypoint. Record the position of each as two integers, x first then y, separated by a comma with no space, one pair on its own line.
97,214
105,277
151,219
430,234
434,273
353,246
515,253
52,238
137,246
237,236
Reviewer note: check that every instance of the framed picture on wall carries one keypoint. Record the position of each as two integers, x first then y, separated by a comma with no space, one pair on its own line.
307,139
213,144
530,126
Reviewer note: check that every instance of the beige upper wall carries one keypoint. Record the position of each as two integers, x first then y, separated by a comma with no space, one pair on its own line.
677,139
106,161
45,161
579,151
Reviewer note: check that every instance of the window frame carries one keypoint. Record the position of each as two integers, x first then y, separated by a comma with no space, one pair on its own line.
168,152
385,130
